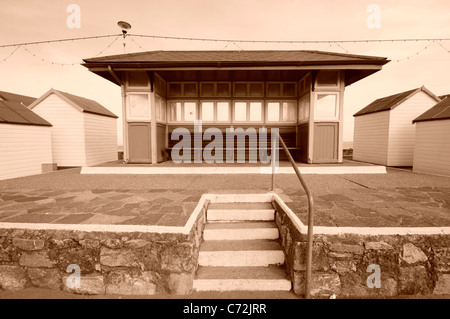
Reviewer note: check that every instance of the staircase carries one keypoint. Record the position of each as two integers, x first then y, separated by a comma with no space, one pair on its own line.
241,250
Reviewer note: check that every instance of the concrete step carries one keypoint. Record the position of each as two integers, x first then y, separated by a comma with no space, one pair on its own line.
242,279
227,212
240,253
240,231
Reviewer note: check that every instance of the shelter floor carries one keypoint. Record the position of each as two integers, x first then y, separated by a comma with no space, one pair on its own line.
399,198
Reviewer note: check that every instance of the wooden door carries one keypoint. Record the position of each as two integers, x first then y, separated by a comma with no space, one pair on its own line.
139,141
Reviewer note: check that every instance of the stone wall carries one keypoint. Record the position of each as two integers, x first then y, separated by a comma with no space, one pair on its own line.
345,265
110,263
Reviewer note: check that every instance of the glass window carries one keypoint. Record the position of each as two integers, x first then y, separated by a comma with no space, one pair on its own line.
256,89
137,79
327,78
174,89
190,89
289,111
158,107
303,108
207,111
207,89
175,111
240,111
274,89
162,106
139,106
223,111
273,111
255,111
326,106
190,111
240,89
289,89
223,89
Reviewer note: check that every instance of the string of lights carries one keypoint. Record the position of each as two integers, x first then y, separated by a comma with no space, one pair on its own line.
11,54
132,37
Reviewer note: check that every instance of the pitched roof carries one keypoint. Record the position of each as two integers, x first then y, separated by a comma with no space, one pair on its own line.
440,111
85,105
297,57
13,112
11,97
391,102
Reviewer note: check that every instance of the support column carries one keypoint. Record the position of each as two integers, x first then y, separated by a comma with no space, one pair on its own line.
153,126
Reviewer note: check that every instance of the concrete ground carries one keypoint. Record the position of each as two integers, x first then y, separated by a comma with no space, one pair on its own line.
399,198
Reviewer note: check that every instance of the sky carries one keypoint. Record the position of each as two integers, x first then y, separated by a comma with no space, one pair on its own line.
29,71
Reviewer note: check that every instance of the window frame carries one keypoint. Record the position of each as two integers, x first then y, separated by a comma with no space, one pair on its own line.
336,117
128,108
183,120
280,102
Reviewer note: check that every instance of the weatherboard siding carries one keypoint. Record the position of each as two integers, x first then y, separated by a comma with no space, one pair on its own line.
370,143
101,139
432,147
402,131
23,150
68,141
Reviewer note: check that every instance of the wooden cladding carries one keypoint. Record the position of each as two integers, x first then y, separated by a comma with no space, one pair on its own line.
231,89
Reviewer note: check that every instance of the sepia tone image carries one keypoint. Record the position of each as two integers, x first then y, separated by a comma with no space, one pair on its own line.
242,150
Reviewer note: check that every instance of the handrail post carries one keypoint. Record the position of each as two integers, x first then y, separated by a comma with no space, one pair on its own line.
309,248
273,159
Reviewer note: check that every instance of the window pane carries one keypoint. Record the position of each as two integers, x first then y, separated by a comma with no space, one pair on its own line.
190,111
326,106
289,111
223,111
190,89
208,111
273,111
289,89
137,79
274,89
256,89
303,109
327,78
240,111
207,89
223,89
139,106
255,112
175,111
163,110
174,89
240,89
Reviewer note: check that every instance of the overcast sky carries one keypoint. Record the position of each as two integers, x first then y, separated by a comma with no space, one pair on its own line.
36,20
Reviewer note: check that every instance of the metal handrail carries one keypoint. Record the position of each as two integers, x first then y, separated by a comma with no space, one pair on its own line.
309,248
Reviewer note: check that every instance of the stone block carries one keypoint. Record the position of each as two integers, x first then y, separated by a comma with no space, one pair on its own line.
378,245
322,284
28,244
118,258
36,260
45,278
412,254
92,284
413,281
180,284
90,243
442,285
136,244
112,243
130,283
12,278
178,258
350,249
320,260
86,259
